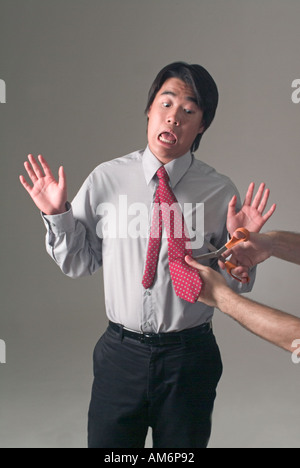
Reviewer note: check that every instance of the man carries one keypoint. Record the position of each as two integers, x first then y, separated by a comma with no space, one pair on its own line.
273,325
158,363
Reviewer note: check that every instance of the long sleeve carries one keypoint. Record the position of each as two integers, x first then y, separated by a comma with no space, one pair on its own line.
72,240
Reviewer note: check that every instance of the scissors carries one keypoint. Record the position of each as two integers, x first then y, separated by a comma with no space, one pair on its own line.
217,253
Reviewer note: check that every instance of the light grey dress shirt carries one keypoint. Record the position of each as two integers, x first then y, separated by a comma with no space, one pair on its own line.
108,225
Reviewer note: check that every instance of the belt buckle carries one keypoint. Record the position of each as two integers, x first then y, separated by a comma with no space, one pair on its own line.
147,338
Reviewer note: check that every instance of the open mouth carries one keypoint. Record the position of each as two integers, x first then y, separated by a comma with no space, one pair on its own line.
167,138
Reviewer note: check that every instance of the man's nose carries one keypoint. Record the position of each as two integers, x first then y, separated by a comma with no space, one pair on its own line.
174,118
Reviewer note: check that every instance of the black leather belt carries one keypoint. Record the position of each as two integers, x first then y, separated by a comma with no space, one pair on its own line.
163,338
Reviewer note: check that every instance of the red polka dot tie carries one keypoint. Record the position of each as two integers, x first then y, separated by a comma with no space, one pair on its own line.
186,280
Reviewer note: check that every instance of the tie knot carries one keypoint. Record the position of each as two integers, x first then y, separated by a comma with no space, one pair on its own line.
162,173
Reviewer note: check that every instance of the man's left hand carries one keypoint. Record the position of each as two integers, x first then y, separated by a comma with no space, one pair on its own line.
251,214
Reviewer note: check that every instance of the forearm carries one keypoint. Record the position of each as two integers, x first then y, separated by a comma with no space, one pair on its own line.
270,324
285,245
71,245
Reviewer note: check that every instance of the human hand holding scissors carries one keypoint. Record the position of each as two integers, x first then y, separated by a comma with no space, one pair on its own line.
241,235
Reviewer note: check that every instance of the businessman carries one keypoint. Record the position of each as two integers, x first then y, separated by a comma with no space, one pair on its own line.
158,363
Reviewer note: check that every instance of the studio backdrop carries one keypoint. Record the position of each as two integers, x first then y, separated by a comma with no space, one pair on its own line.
74,78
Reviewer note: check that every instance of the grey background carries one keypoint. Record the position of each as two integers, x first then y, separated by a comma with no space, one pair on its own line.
77,76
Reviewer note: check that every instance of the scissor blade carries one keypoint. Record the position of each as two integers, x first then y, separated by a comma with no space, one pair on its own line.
214,252
221,251
205,256
210,247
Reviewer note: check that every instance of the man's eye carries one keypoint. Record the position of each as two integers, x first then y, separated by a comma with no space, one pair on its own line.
166,104
188,111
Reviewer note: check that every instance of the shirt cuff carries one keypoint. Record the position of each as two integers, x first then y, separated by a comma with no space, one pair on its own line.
60,223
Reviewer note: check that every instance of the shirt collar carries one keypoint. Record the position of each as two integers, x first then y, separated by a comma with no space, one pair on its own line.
175,169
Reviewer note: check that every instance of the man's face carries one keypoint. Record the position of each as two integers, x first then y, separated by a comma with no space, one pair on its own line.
174,120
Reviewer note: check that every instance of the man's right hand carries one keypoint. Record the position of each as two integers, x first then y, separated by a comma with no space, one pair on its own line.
49,195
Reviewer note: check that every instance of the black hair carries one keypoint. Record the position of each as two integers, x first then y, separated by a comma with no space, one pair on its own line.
202,83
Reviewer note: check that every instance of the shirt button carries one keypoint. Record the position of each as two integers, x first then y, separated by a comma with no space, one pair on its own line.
148,293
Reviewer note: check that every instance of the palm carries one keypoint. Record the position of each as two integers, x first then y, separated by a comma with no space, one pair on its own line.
49,195
46,189
248,217
251,214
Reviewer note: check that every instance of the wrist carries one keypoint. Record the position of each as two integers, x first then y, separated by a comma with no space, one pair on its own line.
271,242
57,211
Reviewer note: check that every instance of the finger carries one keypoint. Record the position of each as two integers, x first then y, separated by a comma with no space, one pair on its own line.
269,213
231,207
258,197
45,166
193,263
190,261
238,234
30,172
241,273
25,184
229,252
264,201
35,166
249,194
245,280
62,181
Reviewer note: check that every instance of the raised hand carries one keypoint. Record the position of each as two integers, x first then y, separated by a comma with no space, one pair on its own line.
251,214
49,195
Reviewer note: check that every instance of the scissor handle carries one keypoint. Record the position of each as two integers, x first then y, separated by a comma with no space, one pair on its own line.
229,267
236,240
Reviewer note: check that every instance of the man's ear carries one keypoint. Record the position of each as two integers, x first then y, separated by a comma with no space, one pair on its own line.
202,128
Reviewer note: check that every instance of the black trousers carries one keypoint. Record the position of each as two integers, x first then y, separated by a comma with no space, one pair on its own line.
170,388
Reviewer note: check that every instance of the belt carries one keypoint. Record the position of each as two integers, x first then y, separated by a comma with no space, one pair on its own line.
163,338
